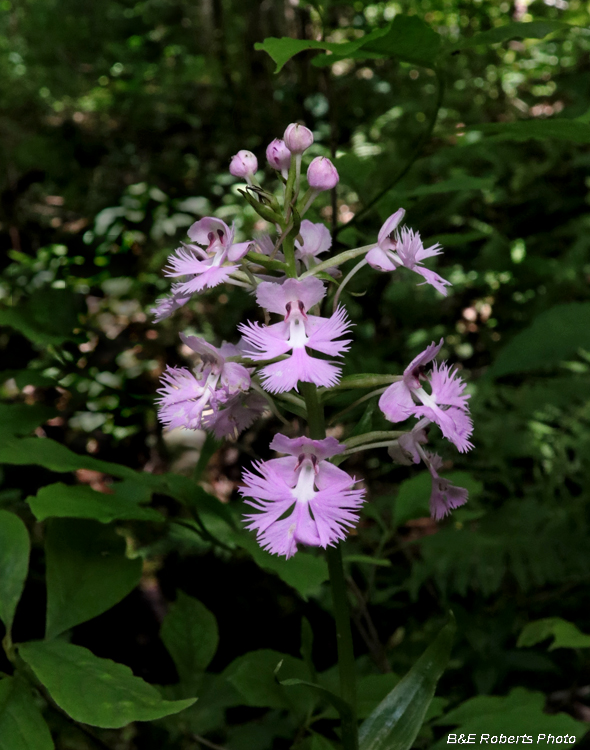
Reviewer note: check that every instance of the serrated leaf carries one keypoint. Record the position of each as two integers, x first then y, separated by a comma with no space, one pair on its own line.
565,634
519,712
81,501
22,726
553,336
87,572
189,632
516,30
559,128
304,572
15,548
95,691
396,721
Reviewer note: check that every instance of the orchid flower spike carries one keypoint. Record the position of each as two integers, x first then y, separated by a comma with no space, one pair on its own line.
297,332
404,248
446,404
317,496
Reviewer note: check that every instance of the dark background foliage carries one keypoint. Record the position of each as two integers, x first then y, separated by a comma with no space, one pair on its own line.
117,123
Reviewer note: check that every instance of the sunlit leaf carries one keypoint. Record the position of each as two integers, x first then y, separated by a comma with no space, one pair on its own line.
507,31
564,634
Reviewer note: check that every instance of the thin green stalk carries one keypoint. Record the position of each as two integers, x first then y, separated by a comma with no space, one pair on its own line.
346,665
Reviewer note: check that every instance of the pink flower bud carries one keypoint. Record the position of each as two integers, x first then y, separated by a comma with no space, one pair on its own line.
322,174
298,138
278,155
243,164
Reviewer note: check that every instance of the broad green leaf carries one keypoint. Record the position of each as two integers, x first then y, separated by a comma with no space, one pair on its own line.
409,39
320,743
371,690
396,721
553,336
565,634
87,572
31,319
20,419
516,30
14,563
559,128
282,50
95,691
256,677
520,712
304,572
21,725
81,501
189,632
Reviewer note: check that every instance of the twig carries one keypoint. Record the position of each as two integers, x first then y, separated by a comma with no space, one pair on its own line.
207,743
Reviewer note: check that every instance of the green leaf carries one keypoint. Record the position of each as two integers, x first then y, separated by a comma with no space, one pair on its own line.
320,743
95,691
452,185
31,319
408,38
565,634
15,548
21,724
516,30
189,632
81,501
254,677
87,572
396,721
553,336
520,712
282,50
20,419
304,572
367,560
334,700
559,128
27,377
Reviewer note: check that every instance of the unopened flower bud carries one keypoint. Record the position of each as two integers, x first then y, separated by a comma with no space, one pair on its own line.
244,164
298,138
322,174
278,155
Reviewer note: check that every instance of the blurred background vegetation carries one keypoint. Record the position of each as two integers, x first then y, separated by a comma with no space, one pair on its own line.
117,123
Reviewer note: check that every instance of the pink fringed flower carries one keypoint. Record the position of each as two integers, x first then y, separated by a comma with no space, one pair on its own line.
189,399
210,266
302,498
316,240
446,404
235,415
404,248
298,332
445,496
167,305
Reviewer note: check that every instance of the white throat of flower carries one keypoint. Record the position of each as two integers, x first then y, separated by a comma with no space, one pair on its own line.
218,246
296,316
304,490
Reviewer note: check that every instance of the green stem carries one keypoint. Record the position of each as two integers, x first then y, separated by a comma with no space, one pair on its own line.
346,665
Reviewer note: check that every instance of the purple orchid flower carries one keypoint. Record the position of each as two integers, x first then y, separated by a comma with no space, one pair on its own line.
444,496
318,496
298,332
404,248
189,399
316,240
446,404
206,268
